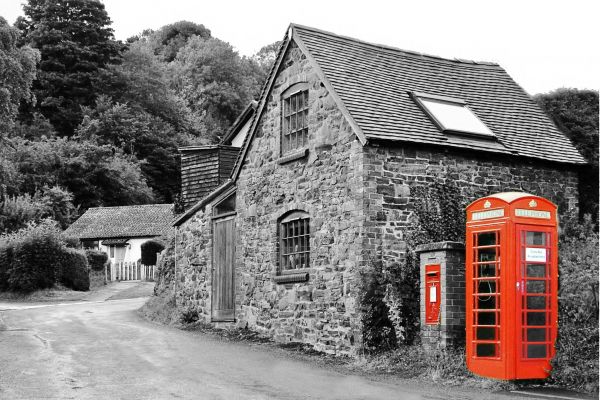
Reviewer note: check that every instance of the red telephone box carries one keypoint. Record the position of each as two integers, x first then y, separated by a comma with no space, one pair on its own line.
511,275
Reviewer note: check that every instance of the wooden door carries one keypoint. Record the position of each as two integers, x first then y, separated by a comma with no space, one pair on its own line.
223,294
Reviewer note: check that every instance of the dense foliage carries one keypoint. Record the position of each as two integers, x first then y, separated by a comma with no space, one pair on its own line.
75,41
96,259
104,119
149,251
575,113
576,361
36,257
17,71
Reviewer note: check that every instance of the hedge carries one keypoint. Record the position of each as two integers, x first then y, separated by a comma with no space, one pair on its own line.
36,257
149,250
34,262
96,259
74,269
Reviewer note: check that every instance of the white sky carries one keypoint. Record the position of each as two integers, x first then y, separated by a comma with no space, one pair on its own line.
543,45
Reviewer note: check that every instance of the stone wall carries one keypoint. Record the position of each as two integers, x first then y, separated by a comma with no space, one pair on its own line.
193,265
393,171
327,184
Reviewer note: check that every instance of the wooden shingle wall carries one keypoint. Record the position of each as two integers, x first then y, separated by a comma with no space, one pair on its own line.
202,170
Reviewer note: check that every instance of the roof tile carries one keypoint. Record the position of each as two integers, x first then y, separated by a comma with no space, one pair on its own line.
123,222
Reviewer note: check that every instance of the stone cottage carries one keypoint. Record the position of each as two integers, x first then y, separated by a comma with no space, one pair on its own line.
323,185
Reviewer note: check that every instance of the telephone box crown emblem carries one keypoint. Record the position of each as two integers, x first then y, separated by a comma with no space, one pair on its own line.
487,204
532,203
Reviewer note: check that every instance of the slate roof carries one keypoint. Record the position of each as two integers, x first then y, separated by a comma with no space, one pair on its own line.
371,85
374,81
123,222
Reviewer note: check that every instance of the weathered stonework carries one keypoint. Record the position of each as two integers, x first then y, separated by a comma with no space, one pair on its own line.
360,206
393,170
450,331
327,184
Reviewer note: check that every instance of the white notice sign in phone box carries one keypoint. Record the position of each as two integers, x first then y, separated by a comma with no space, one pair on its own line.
535,254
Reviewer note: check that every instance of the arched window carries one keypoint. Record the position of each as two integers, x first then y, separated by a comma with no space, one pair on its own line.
294,126
294,241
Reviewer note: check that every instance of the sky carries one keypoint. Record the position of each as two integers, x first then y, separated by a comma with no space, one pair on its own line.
543,45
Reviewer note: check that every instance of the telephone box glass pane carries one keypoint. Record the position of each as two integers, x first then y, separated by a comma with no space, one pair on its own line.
487,270
536,318
536,238
536,351
536,335
536,302
536,270
487,254
486,333
536,286
486,350
486,318
486,239
486,302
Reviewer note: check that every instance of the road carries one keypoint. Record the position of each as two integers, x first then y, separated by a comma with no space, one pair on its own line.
104,350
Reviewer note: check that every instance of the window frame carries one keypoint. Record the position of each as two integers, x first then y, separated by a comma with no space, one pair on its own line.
304,240
294,90
418,97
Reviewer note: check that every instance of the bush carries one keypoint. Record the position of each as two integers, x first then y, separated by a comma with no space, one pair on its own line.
36,257
149,250
74,272
6,253
576,361
96,259
377,329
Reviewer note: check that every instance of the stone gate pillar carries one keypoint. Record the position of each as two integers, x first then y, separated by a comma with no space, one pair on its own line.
449,328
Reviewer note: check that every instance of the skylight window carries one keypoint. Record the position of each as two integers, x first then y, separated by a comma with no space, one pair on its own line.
452,115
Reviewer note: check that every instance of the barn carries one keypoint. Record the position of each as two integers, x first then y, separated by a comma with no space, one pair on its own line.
337,156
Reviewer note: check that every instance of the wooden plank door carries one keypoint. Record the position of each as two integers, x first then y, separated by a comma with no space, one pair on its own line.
223,296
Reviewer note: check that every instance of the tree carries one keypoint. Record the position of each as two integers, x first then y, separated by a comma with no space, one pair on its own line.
141,81
75,42
151,140
575,113
17,71
96,175
215,81
265,57
168,40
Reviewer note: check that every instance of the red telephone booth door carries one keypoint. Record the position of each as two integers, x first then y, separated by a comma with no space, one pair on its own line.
486,324
536,289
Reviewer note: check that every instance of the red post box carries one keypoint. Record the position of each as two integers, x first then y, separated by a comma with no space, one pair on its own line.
511,286
432,294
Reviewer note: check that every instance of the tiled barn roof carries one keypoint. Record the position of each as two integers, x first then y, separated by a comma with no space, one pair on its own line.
373,82
123,222
371,85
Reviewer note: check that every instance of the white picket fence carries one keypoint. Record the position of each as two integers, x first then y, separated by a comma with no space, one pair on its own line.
132,271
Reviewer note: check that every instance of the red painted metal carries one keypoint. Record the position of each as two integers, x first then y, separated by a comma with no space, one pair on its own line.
432,294
511,286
